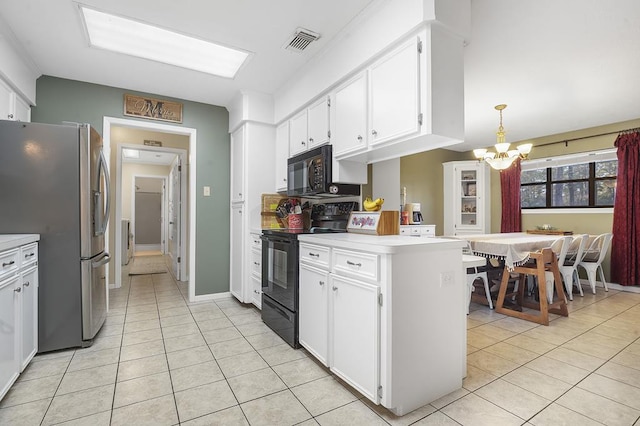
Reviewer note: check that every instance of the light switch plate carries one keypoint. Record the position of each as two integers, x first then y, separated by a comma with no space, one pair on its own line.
207,191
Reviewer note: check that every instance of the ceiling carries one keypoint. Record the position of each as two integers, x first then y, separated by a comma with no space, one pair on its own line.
558,65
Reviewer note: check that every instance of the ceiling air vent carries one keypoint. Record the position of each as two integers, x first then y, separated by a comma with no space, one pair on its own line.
300,40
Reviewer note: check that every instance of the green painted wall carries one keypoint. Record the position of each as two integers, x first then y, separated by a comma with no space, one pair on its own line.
61,100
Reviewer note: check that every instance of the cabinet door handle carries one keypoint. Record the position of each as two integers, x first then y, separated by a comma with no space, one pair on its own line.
5,264
335,288
321,282
256,263
374,133
359,138
314,254
240,194
28,255
17,290
284,179
10,116
26,284
310,140
303,142
354,264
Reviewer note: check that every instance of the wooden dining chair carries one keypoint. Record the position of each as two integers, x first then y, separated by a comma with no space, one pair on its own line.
539,263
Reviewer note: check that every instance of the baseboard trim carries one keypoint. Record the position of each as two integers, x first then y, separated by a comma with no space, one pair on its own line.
612,286
214,296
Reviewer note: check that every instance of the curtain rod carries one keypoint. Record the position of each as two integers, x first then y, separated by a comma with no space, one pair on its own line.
566,141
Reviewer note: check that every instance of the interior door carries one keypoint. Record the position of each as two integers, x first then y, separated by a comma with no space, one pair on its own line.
174,207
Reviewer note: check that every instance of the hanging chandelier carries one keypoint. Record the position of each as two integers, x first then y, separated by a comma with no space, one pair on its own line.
503,158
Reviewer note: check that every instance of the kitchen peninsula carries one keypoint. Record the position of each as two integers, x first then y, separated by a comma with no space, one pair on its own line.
385,314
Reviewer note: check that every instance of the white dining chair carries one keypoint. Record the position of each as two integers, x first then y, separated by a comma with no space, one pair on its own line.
473,273
592,260
560,248
569,268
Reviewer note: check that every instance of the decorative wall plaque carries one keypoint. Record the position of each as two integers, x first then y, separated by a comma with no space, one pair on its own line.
154,109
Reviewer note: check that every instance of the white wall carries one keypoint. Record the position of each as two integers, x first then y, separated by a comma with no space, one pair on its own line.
17,70
128,171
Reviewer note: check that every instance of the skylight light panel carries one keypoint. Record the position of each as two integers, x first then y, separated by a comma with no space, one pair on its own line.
146,41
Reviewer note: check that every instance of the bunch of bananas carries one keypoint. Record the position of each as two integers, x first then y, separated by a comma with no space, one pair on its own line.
372,205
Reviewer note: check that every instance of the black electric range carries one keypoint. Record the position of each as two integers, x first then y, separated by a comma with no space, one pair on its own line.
280,272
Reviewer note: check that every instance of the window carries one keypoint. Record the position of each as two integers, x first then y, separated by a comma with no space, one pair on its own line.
571,181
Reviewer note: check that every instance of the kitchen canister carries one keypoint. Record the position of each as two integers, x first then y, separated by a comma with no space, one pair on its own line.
295,221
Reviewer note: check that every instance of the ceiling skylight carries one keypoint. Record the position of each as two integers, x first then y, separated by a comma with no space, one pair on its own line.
134,38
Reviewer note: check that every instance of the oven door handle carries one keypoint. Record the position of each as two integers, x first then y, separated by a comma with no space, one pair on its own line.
275,240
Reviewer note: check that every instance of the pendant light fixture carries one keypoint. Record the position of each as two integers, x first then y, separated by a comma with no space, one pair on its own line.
503,157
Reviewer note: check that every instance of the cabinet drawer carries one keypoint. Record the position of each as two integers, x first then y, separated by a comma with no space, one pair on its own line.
29,254
361,265
315,255
256,242
256,263
9,262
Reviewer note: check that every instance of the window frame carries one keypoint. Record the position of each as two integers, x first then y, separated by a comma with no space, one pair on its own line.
590,158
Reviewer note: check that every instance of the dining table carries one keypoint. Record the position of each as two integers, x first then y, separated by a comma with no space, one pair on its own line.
513,248
523,254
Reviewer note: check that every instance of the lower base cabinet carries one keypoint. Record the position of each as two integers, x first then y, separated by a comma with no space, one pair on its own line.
18,311
314,302
379,313
9,310
355,331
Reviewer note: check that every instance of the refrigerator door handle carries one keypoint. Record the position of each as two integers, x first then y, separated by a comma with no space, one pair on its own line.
102,217
103,260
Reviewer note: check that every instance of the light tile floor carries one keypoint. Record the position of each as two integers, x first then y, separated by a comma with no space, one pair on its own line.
161,361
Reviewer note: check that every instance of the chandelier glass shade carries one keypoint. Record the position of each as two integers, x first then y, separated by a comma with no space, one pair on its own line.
504,157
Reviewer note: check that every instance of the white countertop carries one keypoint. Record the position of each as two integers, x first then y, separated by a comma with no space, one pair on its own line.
9,241
380,244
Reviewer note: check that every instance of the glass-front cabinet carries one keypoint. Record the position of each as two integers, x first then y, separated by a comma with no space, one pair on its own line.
467,200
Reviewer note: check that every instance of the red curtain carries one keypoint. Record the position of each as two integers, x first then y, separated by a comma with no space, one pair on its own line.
510,188
625,247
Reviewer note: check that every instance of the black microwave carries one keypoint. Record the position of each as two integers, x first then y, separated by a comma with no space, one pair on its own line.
309,175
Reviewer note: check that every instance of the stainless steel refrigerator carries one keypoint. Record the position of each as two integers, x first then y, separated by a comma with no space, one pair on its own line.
54,182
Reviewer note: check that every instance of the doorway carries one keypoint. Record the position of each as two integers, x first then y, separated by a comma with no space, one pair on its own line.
148,214
184,235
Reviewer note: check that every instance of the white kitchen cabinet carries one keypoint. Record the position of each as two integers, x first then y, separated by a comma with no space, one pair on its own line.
9,343
349,117
29,316
236,274
12,106
394,94
252,175
298,134
310,127
313,301
467,203
387,300
318,122
256,270
237,164
18,306
282,155
355,334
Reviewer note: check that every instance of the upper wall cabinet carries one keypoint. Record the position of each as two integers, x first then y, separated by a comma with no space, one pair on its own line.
238,146
282,155
349,117
12,106
310,127
380,104
394,94
409,100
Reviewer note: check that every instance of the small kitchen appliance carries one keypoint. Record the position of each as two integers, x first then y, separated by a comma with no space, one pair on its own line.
415,216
